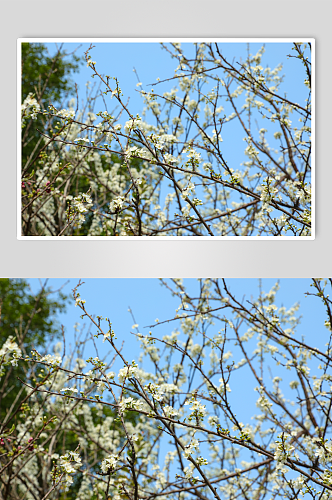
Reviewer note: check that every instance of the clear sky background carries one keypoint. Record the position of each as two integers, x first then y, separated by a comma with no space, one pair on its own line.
151,61
149,300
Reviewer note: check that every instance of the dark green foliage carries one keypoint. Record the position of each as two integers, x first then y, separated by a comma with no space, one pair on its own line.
29,318
45,76
48,78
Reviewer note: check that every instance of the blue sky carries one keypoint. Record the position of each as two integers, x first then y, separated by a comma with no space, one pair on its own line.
149,301
111,297
119,59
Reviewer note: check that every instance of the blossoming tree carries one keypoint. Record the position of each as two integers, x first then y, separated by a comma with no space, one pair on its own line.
166,171
174,423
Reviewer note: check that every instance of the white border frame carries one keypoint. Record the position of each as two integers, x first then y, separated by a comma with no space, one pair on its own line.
165,40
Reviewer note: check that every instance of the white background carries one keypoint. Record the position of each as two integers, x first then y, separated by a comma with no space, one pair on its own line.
155,258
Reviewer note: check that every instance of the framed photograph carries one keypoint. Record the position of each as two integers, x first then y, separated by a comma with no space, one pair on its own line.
166,138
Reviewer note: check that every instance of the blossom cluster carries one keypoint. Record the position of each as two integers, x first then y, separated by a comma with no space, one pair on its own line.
78,207
69,464
29,109
10,352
